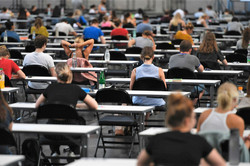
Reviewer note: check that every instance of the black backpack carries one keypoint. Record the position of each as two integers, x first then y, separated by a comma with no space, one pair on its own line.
30,149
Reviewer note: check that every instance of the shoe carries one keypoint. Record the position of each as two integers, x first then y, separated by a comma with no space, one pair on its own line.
55,160
119,132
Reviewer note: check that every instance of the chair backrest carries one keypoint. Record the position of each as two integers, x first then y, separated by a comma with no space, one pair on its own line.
117,55
232,33
7,82
113,95
180,73
107,28
165,46
59,33
15,54
133,50
218,35
176,41
149,83
56,110
35,70
244,113
236,58
10,39
241,51
119,37
138,34
7,137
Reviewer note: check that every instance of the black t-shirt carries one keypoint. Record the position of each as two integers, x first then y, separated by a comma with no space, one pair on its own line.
176,148
65,93
212,57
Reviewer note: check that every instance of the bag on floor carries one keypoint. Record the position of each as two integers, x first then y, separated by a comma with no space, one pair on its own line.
30,149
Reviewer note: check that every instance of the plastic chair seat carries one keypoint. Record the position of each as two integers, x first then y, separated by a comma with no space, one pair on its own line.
117,120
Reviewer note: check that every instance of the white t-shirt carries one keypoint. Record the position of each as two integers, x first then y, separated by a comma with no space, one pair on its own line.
42,59
5,16
179,11
64,27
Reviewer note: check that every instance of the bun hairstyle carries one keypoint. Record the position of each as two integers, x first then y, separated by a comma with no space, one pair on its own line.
189,26
147,33
227,95
179,107
147,53
79,39
63,72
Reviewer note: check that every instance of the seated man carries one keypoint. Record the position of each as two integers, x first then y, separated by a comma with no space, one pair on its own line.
65,27
8,65
40,58
10,31
144,25
119,31
146,40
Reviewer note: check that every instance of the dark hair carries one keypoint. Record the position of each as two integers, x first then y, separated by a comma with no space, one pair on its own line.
48,5
8,25
200,9
117,22
64,20
4,107
4,9
145,18
209,7
235,19
147,33
70,14
56,11
32,7
22,14
147,53
92,6
94,21
167,12
185,46
40,40
189,26
140,11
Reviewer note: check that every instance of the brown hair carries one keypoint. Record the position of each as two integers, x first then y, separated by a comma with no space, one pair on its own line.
117,22
185,46
179,107
226,94
63,72
147,53
189,26
4,107
4,51
245,38
38,23
209,44
40,40
248,87
147,33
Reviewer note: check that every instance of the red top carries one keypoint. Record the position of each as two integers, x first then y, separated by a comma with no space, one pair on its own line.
9,67
119,32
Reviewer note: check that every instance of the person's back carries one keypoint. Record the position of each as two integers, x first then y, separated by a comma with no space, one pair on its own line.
93,32
5,15
235,25
10,31
143,42
64,27
144,25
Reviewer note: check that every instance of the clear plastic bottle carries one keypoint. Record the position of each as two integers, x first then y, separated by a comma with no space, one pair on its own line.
158,29
2,79
74,60
62,11
241,92
134,34
107,55
248,57
33,35
57,32
5,37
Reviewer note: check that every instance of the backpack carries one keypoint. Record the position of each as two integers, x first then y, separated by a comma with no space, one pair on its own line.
30,149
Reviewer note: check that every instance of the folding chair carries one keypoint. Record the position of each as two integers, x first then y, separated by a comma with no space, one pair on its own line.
244,113
7,138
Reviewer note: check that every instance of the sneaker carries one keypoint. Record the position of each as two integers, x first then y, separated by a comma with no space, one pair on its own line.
55,160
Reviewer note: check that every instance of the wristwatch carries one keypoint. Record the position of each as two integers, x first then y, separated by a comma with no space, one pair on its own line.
69,45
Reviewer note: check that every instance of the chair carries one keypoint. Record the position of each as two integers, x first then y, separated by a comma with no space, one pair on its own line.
10,39
7,82
236,33
241,51
116,96
34,70
59,33
166,46
133,50
7,138
176,41
15,54
244,113
64,112
236,57
119,37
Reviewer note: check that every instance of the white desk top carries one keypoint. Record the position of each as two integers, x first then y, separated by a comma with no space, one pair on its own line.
170,81
10,159
41,78
232,36
50,53
115,62
11,43
199,110
103,162
94,69
127,55
9,89
59,44
217,72
54,129
236,64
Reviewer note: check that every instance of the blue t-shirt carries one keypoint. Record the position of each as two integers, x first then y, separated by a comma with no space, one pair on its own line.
82,20
92,33
143,27
11,34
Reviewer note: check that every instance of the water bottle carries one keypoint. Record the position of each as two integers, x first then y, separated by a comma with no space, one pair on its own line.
33,35
241,92
49,12
134,34
74,60
234,147
102,80
62,11
2,79
248,57
57,32
107,55
158,29
5,37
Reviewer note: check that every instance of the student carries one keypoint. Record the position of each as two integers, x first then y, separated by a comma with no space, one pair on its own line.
146,40
34,10
119,31
202,21
65,92
235,25
6,120
106,23
144,26
128,21
39,58
5,15
39,29
78,44
10,28
199,13
8,65
80,18
64,27
245,41
210,12
102,10
70,19
186,33
179,146
176,23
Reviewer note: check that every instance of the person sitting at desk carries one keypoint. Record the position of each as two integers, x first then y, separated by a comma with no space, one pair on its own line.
128,21
40,58
144,26
186,33
119,31
65,28
176,23
5,15
65,92
39,29
8,65
10,31
202,21
178,146
6,120
106,23
146,40
78,44
235,25
245,41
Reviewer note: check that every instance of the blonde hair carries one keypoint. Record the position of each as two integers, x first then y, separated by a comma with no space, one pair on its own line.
226,95
4,51
63,72
79,39
176,19
38,23
179,107
77,12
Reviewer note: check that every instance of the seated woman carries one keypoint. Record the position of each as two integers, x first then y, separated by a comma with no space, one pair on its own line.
209,51
78,44
179,146
186,33
245,41
176,23
245,101
106,23
38,28
202,21
5,120
128,21
65,92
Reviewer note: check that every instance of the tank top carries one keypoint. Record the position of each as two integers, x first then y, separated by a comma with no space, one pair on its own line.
106,24
147,70
216,121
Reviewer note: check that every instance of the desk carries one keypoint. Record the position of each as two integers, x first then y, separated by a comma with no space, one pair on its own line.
82,130
103,162
211,83
6,160
236,64
8,92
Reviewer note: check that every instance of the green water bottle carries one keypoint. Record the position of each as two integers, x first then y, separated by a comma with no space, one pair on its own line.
102,80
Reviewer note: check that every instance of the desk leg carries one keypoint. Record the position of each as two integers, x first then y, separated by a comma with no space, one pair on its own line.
141,128
212,96
84,143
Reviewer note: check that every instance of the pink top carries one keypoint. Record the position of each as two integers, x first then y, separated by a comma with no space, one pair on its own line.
106,24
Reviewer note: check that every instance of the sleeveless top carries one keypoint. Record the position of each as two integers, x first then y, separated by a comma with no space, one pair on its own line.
71,54
146,70
216,121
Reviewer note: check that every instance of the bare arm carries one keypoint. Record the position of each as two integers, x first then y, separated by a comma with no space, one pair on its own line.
52,71
103,40
143,158
215,159
65,46
21,74
162,76
133,76
200,68
10,126
40,100
91,103
131,43
88,50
